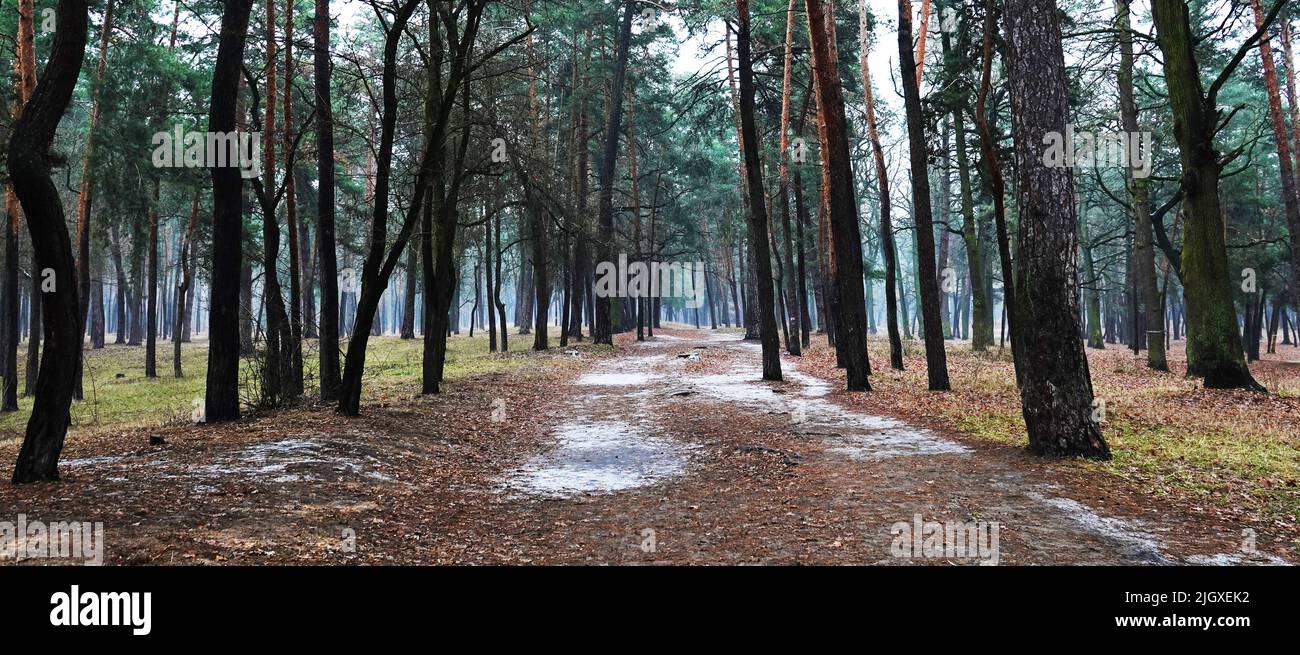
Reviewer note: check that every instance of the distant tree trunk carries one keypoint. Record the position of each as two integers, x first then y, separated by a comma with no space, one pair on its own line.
408,299
97,302
635,182
601,330
935,357
328,324
29,171
882,183
183,289
490,286
980,291
151,312
115,248
496,292
1091,290
1057,391
758,222
1147,293
579,291
1213,346
801,212
851,320
222,394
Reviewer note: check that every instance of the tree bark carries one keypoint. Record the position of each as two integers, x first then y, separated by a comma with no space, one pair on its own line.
1213,345
29,170
758,222
935,356
222,395
887,249
328,325
1056,393
601,330
997,187
1290,199
851,322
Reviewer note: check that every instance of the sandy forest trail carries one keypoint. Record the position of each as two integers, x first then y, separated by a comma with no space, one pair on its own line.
668,451
681,441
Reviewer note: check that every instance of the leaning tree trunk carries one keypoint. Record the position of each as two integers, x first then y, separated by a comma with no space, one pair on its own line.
29,170
851,321
758,234
1056,392
222,395
380,261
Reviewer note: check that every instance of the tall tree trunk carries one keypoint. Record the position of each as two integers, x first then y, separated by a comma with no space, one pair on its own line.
328,325
29,171
1148,294
988,149
1290,199
601,330
935,357
980,291
291,213
1056,393
25,68
1288,65
793,340
222,395
1213,346
882,184
851,321
758,223
87,178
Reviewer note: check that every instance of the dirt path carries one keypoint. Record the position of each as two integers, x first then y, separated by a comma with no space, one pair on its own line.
669,451
681,444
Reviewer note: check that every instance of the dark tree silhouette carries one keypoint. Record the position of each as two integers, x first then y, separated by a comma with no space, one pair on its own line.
29,170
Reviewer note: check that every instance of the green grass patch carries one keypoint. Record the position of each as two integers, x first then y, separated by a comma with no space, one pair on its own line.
118,395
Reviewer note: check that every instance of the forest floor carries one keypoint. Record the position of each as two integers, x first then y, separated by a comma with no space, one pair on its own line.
673,451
